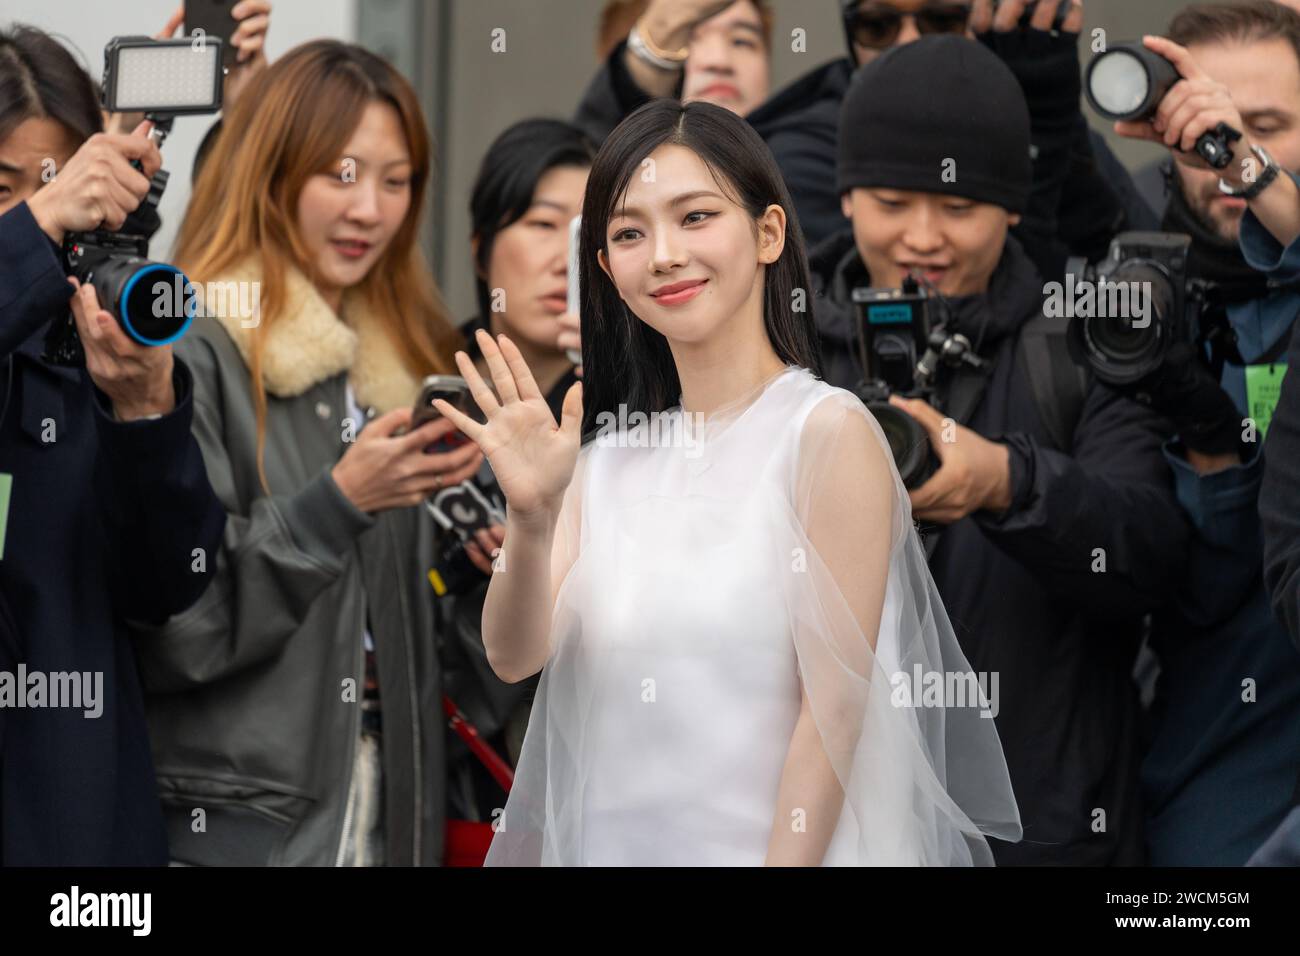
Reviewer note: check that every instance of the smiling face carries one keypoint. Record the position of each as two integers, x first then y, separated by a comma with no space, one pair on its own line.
686,258
953,242
26,153
529,261
1264,80
348,215
728,61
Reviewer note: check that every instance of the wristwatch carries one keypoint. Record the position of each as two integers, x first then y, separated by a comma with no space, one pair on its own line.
1268,172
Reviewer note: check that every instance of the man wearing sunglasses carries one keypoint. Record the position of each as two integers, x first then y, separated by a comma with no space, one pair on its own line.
1074,209
873,26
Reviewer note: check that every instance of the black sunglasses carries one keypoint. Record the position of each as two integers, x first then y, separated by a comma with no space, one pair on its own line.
878,27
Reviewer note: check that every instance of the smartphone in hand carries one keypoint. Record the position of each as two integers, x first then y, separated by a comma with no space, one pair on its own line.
453,390
464,508
214,18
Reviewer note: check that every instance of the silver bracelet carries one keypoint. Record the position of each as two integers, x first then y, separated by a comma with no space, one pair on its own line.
637,44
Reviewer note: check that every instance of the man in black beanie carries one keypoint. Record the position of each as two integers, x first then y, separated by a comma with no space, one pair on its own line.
1050,522
1082,195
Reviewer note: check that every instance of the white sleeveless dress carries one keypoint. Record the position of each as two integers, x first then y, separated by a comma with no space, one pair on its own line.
695,614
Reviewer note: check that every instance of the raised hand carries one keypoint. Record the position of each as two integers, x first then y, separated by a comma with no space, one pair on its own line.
98,186
1005,16
1194,105
532,457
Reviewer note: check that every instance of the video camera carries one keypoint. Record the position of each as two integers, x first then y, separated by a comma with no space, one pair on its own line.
902,349
153,302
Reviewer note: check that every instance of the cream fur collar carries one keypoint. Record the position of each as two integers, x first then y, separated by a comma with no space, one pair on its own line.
309,343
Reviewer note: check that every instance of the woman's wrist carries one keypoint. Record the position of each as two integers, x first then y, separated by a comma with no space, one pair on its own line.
539,524
342,476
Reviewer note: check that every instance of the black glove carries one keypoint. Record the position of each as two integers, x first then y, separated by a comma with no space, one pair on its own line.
1184,391
1047,68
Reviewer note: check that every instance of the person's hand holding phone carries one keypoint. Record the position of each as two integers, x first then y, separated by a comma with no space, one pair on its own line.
249,39
532,458
387,467
250,21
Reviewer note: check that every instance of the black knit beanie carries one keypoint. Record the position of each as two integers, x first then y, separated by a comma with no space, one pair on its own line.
939,98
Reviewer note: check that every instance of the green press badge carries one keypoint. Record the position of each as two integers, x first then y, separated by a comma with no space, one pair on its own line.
6,484
1263,388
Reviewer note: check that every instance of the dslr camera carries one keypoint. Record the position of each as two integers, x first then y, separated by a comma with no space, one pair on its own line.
902,349
1120,342
153,302
1128,353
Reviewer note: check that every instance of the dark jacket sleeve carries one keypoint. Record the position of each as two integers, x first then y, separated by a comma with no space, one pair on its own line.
610,97
32,284
1073,208
1047,69
162,517
157,506
1279,496
1223,553
1101,199
277,554
1101,526
804,149
1279,501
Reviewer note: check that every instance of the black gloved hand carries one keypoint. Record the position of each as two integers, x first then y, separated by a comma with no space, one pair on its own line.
1184,391
1047,68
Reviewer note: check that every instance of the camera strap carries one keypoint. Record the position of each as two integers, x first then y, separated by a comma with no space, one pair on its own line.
1059,384
966,387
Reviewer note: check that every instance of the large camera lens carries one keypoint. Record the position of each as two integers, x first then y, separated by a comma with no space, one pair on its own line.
153,302
1126,348
1128,81
908,443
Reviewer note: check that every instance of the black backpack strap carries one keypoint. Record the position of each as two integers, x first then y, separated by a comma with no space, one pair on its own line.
1059,385
964,392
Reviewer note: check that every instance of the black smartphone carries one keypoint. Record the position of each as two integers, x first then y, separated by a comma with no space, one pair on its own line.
453,390
214,18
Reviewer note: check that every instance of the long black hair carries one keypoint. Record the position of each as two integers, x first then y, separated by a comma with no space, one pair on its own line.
625,361
508,177
40,79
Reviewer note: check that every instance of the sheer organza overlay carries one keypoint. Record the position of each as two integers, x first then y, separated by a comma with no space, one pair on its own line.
710,575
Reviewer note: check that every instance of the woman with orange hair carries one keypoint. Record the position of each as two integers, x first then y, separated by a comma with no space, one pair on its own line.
295,710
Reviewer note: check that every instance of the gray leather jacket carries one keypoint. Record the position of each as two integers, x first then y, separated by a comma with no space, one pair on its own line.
247,693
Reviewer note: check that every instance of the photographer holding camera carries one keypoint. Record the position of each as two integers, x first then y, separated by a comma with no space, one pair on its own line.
1224,760
720,51
106,513
1059,526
